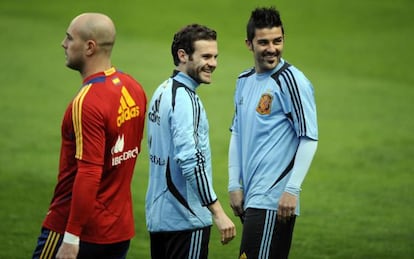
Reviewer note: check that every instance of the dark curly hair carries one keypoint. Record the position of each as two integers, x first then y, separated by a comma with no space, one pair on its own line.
185,38
263,17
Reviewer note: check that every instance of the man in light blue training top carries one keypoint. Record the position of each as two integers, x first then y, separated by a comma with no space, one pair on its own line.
273,141
180,200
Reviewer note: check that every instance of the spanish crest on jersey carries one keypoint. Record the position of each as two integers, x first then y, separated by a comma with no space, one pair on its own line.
265,104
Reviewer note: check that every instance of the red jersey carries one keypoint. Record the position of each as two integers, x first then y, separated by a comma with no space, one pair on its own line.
102,131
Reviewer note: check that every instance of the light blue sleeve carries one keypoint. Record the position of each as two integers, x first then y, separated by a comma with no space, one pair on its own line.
234,167
303,159
191,157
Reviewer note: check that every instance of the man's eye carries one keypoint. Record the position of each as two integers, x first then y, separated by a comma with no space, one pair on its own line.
278,41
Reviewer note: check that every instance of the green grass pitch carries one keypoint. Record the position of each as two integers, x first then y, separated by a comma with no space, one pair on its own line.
357,201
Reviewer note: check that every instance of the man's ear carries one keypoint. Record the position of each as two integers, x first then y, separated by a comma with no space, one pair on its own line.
182,56
249,44
90,47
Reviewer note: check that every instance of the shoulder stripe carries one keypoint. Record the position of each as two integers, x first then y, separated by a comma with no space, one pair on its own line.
194,103
196,113
247,73
293,88
275,75
77,119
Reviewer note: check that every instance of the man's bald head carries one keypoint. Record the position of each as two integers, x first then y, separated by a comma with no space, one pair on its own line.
97,27
88,43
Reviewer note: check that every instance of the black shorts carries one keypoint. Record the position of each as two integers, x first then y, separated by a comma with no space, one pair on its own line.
192,244
264,236
49,242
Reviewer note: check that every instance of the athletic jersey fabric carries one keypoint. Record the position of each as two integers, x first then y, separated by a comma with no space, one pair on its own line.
180,183
102,131
273,110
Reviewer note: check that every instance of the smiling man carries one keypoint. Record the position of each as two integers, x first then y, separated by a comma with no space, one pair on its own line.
181,201
273,139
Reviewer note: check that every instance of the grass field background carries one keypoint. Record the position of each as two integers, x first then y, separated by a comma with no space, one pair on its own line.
357,201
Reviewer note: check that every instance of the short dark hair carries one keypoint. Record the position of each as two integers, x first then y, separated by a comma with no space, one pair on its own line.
185,38
263,17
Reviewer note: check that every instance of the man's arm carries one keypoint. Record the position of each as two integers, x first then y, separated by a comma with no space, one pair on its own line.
223,222
235,187
304,156
84,193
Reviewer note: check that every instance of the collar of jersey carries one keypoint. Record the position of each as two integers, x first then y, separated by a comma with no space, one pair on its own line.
99,77
186,80
270,72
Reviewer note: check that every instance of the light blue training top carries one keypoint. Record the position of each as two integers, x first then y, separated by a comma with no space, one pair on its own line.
180,181
273,111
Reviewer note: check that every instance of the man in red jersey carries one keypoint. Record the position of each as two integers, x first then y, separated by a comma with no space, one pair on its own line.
90,215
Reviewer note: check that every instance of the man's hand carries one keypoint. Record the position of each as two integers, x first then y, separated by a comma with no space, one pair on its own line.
223,222
67,251
226,228
236,202
287,207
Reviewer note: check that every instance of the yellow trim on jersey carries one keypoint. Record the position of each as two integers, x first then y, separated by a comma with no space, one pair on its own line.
110,71
77,119
50,245
116,81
